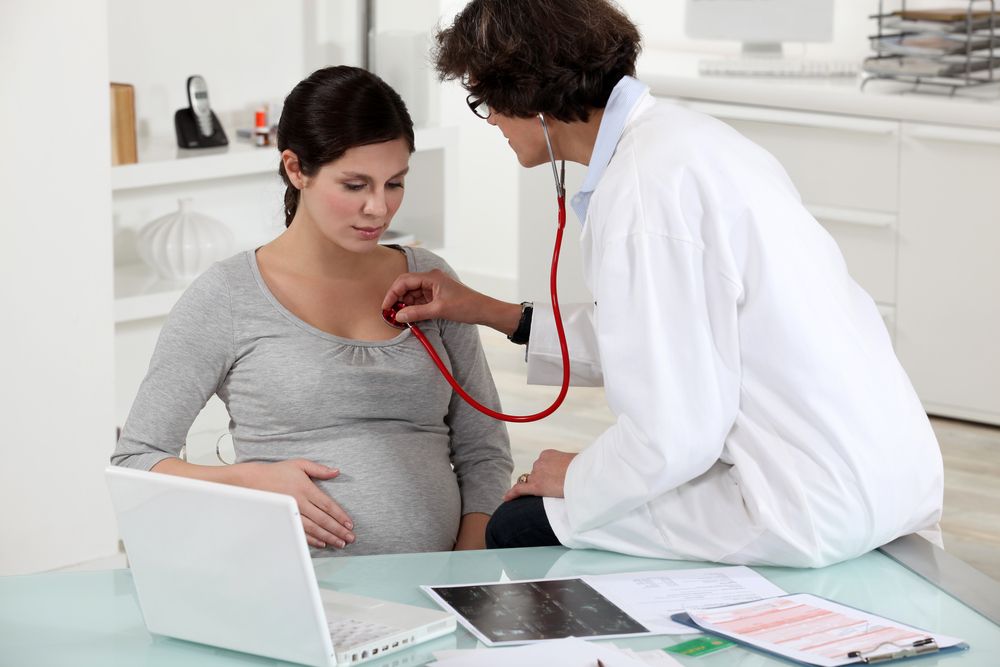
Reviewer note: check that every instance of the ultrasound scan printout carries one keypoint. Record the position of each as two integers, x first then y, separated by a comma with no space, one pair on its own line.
538,610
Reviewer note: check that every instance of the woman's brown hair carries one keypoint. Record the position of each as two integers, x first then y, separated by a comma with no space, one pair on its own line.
524,57
333,110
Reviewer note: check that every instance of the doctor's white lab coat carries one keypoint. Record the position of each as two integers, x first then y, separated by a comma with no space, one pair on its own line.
762,415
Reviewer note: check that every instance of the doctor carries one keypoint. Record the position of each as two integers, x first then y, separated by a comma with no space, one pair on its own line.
762,416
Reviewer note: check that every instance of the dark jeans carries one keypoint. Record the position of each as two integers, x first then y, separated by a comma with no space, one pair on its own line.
520,523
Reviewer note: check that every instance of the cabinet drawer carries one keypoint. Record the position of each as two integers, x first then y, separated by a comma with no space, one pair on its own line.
948,321
868,242
888,314
834,160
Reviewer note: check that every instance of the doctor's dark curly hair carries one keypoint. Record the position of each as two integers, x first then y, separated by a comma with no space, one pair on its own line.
523,57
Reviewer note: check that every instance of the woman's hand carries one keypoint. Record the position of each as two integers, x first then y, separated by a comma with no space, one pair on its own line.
436,295
324,521
547,477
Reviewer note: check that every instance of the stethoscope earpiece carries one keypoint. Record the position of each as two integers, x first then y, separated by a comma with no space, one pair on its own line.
560,182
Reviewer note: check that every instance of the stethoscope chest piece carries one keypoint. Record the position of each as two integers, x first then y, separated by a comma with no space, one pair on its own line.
389,315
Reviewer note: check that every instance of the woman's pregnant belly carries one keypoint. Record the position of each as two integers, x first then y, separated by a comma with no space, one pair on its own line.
401,494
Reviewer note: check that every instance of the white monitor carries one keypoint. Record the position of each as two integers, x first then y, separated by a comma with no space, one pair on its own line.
761,25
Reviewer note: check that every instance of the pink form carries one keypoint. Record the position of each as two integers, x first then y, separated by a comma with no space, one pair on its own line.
796,626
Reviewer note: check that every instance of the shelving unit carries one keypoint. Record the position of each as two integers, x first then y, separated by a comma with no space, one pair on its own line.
139,294
161,162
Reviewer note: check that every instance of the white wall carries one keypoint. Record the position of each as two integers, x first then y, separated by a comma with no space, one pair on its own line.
56,367
249,51
483,243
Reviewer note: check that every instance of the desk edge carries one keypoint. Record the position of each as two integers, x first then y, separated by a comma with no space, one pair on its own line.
955,577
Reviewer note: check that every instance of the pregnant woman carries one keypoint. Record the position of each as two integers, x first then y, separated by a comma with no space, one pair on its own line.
327,403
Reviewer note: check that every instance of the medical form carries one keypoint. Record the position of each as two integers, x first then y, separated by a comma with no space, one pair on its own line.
816,631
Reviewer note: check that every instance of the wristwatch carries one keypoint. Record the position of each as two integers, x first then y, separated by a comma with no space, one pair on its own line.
523,330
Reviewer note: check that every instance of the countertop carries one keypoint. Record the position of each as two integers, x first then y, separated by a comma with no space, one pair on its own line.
675,74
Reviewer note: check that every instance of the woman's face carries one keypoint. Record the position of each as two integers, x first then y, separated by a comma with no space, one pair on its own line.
352,200
525,137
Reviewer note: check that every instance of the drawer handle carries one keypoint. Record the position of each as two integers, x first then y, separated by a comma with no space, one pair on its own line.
853,216
956,134
814,120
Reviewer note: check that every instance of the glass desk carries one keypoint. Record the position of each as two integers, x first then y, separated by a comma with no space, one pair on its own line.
92,619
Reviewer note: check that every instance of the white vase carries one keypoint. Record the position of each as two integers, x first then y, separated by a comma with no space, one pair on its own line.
181,245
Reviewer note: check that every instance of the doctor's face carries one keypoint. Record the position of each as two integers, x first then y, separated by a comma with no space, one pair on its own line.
525,137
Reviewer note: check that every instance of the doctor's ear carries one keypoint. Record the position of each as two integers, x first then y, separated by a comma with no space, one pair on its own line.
293,169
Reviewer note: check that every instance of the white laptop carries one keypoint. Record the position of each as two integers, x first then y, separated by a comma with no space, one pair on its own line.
230,567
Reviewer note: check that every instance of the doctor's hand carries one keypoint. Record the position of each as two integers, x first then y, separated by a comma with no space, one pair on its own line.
436,295
547,477
326,524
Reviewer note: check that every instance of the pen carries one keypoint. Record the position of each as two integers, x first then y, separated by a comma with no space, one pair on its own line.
599,663
919,647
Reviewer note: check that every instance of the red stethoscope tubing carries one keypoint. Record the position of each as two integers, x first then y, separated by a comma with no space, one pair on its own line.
563,348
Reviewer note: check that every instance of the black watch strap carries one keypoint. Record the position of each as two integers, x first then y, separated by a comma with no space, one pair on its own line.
523,330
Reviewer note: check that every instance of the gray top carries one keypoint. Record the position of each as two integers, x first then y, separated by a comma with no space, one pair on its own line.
413,456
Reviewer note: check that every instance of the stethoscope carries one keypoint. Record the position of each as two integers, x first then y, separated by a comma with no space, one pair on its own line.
389,315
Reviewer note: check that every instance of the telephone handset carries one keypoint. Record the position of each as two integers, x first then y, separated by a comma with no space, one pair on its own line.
197,126
197,91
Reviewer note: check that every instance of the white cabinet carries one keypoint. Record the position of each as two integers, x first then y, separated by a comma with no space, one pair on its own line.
847,170
840,162
913,208
948,316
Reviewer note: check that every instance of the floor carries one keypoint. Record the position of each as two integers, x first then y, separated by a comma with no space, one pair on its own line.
971,522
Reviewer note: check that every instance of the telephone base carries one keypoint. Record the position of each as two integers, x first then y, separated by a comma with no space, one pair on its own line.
189,134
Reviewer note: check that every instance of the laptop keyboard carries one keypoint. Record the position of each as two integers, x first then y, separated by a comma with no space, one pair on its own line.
347,632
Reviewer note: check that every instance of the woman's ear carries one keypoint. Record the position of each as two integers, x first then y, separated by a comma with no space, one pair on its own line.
293,169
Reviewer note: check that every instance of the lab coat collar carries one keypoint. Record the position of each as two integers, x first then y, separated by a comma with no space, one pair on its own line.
624,97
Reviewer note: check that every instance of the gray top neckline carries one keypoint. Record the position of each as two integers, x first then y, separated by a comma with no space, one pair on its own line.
251,256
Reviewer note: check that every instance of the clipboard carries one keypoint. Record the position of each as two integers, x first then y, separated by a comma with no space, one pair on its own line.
869,651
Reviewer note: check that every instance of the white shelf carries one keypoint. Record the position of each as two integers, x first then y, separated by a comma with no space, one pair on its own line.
140,294
161,162
674,74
